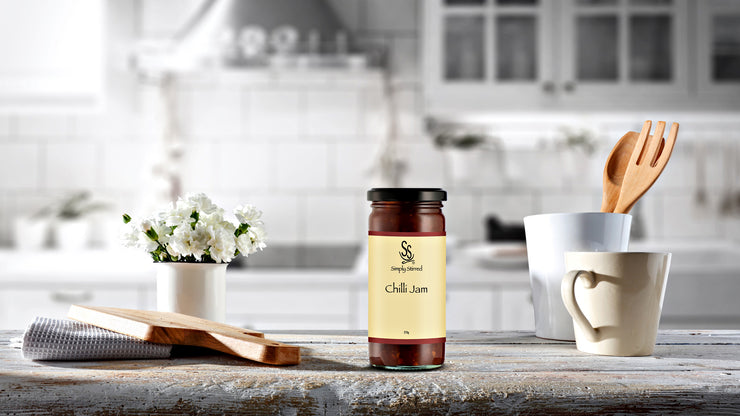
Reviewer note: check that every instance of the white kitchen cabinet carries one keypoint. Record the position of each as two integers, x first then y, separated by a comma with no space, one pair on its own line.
718,50
482,55
20,306
623,52
516,311
468,62
487,54
52,55
275,307
704,300
472,309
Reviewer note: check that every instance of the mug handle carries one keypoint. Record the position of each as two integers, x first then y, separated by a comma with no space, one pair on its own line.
568,293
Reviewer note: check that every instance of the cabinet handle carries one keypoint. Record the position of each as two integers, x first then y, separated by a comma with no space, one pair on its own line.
548,87
569,86
71,297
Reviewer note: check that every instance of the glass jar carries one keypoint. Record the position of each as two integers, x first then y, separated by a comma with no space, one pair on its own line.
406,278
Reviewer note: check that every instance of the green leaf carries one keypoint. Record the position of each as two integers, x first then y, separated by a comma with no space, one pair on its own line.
126,218
152,234
241,230
194,216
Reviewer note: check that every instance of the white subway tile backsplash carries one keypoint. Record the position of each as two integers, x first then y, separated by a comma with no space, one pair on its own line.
125,166
679,173
536,169
164,18
575,201
354,164
284,216
409,113
424,165
375,115
575,168
246,166
330,219
110,125
19,166
212,112
43,126
490,169
71,166
302,166
200,168
276,113
678,219
333,112
459,214
647,217
4,127
712,166
405,58
6,221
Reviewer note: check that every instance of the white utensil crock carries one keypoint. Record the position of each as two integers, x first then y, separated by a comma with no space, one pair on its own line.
195,289
549,236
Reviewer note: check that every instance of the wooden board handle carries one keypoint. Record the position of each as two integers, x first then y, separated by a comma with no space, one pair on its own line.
175,328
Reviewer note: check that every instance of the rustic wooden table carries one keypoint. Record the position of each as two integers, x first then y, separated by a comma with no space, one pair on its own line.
695,372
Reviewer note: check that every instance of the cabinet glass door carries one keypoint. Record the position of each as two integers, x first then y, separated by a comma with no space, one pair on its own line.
517,42
650,48
718,50
597,40
464,52
516,48
725,48
488,51
623,48
491,42
622,41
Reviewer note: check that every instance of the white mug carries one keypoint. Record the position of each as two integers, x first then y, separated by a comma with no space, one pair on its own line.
549,236
615,300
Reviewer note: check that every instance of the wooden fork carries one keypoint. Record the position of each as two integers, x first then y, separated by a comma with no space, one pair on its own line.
646,163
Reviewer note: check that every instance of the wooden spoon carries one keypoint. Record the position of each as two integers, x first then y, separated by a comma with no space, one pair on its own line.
616,165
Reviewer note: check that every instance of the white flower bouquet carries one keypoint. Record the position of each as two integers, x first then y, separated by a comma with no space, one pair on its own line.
194,230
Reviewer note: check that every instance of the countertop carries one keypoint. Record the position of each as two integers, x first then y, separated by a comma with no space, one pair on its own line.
696,372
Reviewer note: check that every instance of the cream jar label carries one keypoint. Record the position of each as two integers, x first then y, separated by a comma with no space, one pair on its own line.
406,287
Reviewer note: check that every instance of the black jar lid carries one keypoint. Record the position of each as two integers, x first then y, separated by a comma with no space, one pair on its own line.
407,194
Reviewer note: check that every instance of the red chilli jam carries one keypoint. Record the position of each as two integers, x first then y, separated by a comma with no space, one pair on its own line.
406,278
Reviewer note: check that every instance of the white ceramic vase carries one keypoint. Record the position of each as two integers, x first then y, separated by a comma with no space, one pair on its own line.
72,234
30,233
195,289
463,164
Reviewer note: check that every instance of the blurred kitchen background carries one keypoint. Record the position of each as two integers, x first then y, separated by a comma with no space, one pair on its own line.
300,106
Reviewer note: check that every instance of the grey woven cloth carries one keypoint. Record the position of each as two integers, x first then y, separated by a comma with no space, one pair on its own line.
67,340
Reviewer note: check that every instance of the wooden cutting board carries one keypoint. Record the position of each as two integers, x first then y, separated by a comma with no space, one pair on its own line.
179,329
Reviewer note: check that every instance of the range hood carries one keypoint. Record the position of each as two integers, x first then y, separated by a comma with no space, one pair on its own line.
220,20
